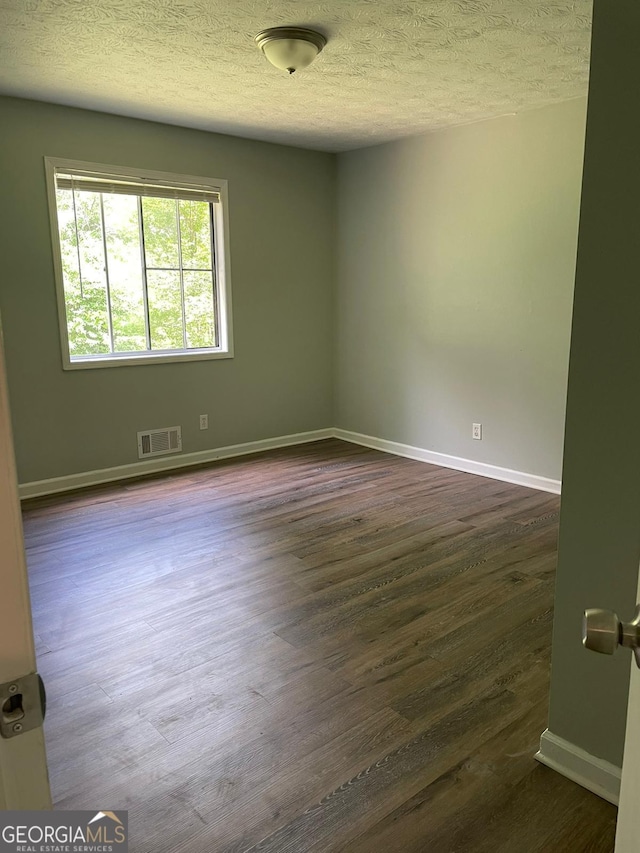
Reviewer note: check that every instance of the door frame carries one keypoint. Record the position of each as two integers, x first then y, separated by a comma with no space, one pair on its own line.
24,779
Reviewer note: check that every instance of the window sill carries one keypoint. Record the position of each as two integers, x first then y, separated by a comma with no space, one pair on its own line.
129,359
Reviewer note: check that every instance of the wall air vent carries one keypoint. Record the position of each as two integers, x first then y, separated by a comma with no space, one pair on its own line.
157,442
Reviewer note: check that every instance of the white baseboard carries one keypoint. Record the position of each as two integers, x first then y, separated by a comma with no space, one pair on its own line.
532,481
594,774
39,488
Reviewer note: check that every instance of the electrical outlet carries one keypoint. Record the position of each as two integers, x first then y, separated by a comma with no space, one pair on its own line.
477,432
204,421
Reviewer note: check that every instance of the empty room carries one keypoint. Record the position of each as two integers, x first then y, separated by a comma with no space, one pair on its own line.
318,405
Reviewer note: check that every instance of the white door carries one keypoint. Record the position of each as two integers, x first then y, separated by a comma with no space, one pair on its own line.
628,835
24,783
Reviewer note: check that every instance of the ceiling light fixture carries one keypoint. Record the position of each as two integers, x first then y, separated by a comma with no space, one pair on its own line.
290,48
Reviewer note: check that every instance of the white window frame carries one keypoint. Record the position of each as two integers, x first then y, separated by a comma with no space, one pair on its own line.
221,266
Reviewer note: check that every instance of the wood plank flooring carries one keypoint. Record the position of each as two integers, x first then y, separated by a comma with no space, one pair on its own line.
322,648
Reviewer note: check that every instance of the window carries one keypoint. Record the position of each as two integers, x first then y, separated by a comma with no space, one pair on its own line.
141,267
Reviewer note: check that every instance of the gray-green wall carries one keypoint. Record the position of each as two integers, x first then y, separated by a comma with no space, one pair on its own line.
600,518
456,263
281,217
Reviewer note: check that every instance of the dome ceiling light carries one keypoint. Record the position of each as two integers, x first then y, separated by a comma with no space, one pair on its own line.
290,48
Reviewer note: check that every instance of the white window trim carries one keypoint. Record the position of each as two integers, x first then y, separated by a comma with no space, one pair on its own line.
222,252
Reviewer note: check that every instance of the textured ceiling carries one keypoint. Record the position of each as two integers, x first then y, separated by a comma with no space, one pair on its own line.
391,68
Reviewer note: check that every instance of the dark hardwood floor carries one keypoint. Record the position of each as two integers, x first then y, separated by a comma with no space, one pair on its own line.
321,648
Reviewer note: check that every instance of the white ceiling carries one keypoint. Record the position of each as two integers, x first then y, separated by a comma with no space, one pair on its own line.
391,68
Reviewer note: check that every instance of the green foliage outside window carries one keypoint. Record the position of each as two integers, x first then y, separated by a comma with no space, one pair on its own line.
106,267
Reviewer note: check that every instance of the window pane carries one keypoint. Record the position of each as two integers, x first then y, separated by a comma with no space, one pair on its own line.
198,309
83,272
165,309
125,272
68,244
195,234
160,232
